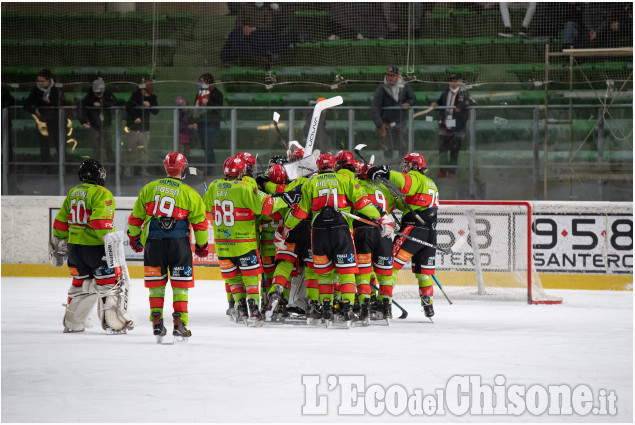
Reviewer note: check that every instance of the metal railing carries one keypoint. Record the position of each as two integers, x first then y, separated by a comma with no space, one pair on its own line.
350,134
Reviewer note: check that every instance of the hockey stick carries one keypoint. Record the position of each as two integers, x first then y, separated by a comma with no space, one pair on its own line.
441,288
276,117
404,313
193,171
358,149
315,120
425,111
454,247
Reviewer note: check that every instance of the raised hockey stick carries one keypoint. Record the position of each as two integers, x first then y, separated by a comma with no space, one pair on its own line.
276,117
315,120
454,247
425,111
441,288
404,313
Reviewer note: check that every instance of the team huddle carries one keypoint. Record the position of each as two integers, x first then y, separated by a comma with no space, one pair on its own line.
318,248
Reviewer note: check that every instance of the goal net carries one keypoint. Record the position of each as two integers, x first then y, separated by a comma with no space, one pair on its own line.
496,261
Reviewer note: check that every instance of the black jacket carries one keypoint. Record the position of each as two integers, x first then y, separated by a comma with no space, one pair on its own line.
88,113
135,109
36,101
382,100
462,101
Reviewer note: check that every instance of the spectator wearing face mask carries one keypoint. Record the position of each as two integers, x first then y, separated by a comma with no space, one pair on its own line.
137,140
95,114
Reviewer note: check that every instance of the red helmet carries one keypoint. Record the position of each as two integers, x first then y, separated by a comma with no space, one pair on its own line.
416,159
344,158
325,160
296,155
233,166
247,158
362,170
277,174
175,164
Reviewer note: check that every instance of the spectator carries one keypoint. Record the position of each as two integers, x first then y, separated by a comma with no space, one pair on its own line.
507,23
187,125
95,113
571,21
44,102
137,138
602,25
322,138
391,122
254,38
452,123
208,97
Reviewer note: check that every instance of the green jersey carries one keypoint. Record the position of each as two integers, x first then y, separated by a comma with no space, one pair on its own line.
378,194
165,209
86,215
331,189
235,205
420,191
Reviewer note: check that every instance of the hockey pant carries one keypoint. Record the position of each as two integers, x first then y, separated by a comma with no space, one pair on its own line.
179,301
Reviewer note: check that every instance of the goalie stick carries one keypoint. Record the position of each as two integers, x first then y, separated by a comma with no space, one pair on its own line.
315,120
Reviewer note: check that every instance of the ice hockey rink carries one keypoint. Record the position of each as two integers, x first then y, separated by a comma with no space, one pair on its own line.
292,373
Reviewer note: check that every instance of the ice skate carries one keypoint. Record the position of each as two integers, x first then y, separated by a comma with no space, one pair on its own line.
231,309
255,317
347,313
387,310
241,312
180,332
364,314
327,313
314,313
426,302
158,329
274,299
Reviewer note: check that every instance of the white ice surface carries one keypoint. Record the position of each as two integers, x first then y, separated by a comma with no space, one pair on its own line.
230,373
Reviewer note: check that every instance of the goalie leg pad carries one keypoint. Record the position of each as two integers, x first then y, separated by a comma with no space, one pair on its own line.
82,301
112,308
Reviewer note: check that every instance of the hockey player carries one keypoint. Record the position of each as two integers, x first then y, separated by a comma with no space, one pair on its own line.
332,243
250,163
422,195
235,205
295,253
78,231
160,221
374,253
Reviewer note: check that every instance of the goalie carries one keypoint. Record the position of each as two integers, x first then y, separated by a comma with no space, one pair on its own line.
80,226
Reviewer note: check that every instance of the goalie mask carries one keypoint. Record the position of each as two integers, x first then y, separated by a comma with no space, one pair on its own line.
414,161
175,164
91,171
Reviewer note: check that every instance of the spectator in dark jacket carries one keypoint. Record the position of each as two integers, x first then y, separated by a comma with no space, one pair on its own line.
44,102
139,108
389,111
208,126
452,122
95,113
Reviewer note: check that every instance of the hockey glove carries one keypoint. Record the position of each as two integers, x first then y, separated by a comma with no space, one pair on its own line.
378,171
291,198
280,236
58,251
135,243
261,181
201,250
387,226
